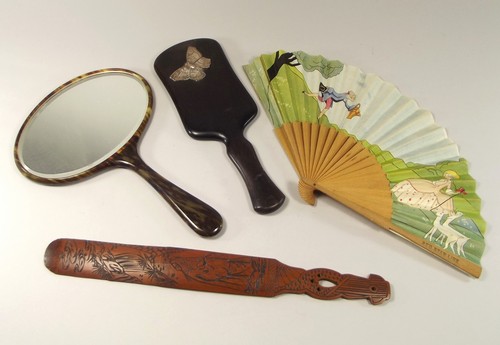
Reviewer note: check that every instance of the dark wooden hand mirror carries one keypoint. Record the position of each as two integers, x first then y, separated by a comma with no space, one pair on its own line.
214,105
92,123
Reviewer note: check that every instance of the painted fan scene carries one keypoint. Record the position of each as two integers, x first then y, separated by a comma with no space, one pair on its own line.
356,138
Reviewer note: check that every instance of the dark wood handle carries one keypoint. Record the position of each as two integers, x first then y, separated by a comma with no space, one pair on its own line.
205,271
264,194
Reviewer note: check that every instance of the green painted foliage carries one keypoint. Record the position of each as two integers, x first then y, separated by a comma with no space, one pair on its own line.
327,68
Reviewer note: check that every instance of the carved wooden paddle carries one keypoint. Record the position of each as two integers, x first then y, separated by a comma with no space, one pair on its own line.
214,105
206,271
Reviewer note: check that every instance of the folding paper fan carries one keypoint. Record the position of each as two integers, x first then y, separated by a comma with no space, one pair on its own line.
357,139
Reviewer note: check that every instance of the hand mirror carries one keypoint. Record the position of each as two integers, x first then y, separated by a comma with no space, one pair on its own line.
92,123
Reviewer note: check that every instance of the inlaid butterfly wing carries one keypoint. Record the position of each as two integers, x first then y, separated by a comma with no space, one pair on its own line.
193,68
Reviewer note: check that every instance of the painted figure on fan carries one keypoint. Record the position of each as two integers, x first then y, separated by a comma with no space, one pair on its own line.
435,196
328,95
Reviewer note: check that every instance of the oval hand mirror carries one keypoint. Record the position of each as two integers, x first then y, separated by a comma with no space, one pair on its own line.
94,122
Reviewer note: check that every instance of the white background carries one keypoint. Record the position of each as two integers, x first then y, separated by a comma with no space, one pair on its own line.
445,54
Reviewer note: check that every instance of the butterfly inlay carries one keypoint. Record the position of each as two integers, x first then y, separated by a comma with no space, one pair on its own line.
193,68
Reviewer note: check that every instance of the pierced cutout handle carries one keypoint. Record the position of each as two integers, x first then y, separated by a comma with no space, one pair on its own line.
328,284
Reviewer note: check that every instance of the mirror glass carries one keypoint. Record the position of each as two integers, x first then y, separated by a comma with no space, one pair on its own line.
82,124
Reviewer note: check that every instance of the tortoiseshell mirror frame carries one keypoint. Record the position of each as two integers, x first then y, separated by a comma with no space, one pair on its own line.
199,216
108,161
